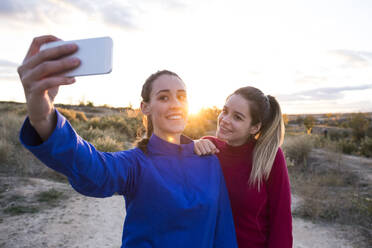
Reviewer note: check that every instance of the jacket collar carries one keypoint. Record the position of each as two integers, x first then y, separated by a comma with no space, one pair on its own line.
159,146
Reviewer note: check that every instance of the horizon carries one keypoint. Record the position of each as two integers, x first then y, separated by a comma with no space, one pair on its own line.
195,113
314,57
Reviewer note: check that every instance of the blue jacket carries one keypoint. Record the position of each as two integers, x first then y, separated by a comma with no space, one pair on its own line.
173,197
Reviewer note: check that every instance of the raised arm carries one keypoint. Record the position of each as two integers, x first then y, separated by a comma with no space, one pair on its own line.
50,137
90,172
40,78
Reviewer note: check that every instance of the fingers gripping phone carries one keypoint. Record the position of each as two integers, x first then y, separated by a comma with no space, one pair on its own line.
95,55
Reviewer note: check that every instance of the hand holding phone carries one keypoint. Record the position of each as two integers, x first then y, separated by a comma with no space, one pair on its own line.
95,55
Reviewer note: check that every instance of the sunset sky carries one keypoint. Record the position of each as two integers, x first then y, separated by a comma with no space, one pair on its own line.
314,56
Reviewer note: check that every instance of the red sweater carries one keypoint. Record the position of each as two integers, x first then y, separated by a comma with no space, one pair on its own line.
262,219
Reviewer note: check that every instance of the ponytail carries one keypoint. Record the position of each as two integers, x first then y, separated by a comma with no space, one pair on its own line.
266,111
269,140
142,144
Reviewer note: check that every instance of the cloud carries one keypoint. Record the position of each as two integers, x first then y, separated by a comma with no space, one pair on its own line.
312,79
353,59
27,11
8,70
112,12
7,63
322,93
116,12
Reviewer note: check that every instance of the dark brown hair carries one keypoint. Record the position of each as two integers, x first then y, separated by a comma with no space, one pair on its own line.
145,94
266,111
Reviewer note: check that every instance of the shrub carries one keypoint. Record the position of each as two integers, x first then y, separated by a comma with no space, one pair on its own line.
366,147
121,123
81,116
347,146
297,149
107,144
360,124
17,210
91,133
68,113
50,196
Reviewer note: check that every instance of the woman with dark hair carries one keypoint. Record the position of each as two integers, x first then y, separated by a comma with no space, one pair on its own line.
174,198
249,134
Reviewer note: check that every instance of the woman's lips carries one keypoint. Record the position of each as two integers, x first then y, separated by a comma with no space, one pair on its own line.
175,116
224,129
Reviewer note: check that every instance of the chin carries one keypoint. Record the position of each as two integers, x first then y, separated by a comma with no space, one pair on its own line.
221,136
176,129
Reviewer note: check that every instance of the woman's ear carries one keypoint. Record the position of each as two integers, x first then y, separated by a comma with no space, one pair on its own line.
145,108
255,128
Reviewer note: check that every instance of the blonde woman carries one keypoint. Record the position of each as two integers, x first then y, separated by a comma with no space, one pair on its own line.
249,134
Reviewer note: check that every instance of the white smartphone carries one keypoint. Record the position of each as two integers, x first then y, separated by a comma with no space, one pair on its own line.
95,55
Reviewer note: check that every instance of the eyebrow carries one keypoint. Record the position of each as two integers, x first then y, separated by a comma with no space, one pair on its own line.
236,112
166,91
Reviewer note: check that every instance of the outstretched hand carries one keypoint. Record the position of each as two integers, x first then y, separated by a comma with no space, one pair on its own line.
40,76
204,147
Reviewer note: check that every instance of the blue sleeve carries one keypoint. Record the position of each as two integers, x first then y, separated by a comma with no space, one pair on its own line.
225,230
90,172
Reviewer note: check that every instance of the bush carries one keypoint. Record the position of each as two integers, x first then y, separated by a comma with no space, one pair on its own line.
107,144
297,149
120,123
72,115
68,113
366,147
91,133
81,116
348,146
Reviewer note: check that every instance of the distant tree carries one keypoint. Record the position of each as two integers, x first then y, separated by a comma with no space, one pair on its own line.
359,123
299,120
285,119
329,118
309,122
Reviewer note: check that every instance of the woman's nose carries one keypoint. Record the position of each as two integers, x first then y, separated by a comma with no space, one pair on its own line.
176,102
225,118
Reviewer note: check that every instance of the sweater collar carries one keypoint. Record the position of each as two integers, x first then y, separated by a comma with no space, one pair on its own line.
246,147
159,146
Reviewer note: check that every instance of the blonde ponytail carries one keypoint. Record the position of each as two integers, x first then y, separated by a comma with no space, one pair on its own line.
269,140
266,111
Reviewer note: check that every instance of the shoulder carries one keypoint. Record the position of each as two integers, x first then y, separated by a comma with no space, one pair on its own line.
133,155
218,143
279,157
279,166
211,138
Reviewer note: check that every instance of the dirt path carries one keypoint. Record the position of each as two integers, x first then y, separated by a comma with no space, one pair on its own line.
309,235
361,166
78,221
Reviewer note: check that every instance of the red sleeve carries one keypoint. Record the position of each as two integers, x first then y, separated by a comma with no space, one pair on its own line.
279,200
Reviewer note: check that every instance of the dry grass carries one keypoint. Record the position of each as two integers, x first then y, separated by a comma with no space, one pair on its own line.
330,192
297,149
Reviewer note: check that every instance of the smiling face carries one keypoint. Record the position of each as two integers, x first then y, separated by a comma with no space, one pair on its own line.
167,107
235,121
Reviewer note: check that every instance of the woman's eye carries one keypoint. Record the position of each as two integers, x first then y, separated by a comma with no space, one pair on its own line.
163,98
182,97
237,117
